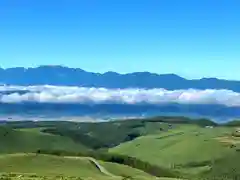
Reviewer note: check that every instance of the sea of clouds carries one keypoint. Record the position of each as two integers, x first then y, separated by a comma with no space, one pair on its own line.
66,94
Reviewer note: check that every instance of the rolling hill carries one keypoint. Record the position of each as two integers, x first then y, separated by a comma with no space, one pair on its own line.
189,149
12,140
53,167
160,146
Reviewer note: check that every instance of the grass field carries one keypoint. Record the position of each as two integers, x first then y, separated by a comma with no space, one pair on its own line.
197,150
179,147
30,165
15,140
125,171
46,165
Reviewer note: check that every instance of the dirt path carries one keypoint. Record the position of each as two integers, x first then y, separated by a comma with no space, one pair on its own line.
91,160
100,168
95,163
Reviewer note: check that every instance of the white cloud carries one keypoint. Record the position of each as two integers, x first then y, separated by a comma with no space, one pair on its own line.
65,94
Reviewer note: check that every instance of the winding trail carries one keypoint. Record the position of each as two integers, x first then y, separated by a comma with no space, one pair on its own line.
100,168
95,163
91,160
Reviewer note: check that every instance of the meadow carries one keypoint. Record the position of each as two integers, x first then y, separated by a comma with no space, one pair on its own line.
154,148
34,166
15,140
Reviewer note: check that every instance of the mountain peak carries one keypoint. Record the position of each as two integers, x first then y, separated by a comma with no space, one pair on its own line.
53,66
111,73
64,76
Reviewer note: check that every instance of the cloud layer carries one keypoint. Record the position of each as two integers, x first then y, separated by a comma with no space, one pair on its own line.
64,94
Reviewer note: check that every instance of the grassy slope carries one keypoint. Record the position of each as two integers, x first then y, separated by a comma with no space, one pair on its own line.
182,145
31,139
12,141
52,166
228,167
122,170
93,135
49,166
179,146
89,133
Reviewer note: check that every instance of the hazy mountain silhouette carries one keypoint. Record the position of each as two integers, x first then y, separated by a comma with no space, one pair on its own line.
217,112
60,75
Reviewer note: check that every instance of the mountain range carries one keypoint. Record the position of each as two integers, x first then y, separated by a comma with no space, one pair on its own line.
65,76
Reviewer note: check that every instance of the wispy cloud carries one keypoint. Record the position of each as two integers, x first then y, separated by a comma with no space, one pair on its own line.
65,94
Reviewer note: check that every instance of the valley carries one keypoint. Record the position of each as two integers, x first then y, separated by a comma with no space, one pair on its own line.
154,148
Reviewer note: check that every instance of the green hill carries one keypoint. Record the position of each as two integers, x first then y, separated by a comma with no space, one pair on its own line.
227,168
46,166
94,136
181,147
161,146
15,140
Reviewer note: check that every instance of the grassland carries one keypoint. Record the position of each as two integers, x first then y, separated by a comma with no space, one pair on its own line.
196,149
16,140
46,165
37,166
179,147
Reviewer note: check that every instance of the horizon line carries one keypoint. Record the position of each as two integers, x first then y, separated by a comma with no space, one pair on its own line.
111,71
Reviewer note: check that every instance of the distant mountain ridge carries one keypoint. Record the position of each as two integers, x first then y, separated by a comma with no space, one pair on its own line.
96,111
65,76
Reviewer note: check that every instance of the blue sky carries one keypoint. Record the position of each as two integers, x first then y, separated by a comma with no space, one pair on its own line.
192,38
